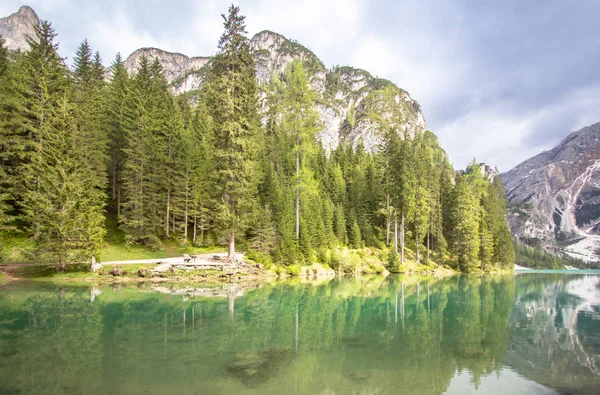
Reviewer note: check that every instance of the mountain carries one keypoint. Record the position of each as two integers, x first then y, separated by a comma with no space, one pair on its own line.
16,27
554,197
350,101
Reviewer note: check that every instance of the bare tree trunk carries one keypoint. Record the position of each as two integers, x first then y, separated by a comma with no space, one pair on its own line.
387,221
417,247
195,227
118,203
167,214
402,239
185,220
395,233
114,186
297,189
231,246
428,237
173,223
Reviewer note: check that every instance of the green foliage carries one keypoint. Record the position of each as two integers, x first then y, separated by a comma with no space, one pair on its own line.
208,168
393,261
233,104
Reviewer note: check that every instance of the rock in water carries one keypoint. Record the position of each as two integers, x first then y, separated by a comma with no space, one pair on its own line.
257,367
555,197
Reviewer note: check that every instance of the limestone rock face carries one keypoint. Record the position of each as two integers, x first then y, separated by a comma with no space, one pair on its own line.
555,196
16,27
352,104
349,100
183,73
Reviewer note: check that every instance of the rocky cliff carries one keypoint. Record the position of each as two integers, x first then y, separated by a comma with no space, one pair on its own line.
555,197
351,102
16,27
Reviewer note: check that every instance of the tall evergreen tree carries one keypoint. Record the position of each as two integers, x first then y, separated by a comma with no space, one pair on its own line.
467,229
407,184
142,203
300,122
233,103
115,120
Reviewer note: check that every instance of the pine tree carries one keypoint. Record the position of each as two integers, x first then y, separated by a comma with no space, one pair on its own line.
232,99
467,229
114,119
7,97
407,185
202,136
422,206
142,203
300,122
89,104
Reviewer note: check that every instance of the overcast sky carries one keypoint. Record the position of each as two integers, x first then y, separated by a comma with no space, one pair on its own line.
497,80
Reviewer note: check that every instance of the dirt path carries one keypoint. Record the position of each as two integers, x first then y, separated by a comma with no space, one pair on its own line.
202,259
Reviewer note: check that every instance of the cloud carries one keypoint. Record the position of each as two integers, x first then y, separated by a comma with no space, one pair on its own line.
496,80
503,135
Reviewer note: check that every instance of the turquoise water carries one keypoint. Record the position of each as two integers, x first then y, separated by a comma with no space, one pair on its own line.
531,333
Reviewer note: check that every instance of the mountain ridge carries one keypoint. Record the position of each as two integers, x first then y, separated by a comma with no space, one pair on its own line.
351,102
555,196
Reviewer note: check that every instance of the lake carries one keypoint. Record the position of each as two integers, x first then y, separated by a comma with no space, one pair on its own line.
530,333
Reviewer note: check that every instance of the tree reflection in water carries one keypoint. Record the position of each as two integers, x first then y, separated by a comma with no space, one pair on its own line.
357,335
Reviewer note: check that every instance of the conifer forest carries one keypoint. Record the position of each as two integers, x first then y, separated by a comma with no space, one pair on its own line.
234,164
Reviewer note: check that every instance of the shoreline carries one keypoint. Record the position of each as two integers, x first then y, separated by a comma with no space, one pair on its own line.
207,276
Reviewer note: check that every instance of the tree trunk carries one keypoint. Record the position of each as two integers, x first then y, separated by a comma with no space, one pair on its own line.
195,227
387,221
185,220
428,237
118,203
395,234
297,189
402,239
417,247
167,214
231,246
114,186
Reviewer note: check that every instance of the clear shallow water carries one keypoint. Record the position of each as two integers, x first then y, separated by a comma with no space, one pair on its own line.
533,333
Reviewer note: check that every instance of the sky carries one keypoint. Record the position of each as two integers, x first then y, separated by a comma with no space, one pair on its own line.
499,81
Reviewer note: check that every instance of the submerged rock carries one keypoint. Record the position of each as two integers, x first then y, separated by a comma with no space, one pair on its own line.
257,367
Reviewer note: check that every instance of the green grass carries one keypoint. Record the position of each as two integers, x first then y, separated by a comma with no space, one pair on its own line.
16,248
19,248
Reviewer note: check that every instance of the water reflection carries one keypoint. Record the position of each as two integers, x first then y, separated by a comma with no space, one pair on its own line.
370,335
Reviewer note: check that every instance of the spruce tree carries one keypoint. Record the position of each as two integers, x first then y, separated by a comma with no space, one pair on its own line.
300,122
142,203
466,229
115,119
407,185
422,207
7,101
233,103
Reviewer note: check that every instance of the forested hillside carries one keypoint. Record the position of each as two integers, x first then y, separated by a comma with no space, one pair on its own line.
235,163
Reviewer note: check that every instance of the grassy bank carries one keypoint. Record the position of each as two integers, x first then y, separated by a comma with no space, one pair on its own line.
329,262
17,248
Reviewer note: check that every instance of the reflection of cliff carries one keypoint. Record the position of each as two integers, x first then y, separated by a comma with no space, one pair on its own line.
555,327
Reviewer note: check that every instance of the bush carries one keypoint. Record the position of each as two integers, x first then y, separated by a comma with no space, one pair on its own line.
294,270
260,257
393,261
324,257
